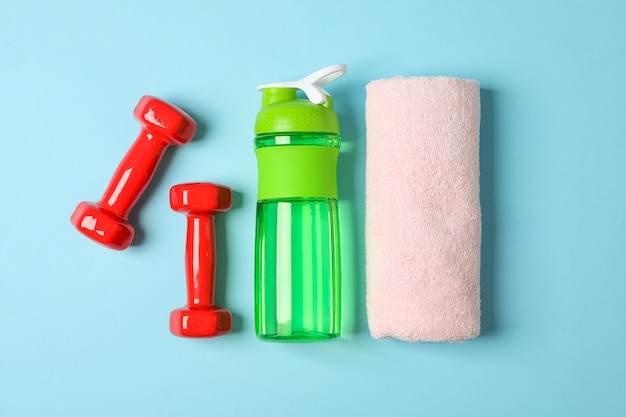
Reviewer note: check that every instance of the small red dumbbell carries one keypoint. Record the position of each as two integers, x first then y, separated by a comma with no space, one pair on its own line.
200,317
106,222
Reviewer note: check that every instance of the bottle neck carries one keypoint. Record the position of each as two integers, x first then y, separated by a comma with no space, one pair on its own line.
329,140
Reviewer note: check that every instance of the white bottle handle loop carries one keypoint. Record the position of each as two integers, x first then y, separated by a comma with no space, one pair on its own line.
312,84
325,75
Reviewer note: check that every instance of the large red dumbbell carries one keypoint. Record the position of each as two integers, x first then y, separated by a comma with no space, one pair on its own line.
200,317
106,222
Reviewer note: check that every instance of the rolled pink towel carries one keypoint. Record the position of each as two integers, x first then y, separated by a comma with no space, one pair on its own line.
422,219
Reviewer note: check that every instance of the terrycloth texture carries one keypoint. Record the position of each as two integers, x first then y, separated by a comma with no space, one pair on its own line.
422,208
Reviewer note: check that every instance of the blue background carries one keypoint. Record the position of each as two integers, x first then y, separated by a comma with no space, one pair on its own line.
84,329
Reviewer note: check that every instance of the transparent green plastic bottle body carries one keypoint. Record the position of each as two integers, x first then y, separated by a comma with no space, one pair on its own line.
297,254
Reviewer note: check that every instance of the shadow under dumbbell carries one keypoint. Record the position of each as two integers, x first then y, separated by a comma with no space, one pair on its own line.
134,216
222,283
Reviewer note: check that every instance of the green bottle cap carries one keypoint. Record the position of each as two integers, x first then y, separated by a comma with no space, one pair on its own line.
283,112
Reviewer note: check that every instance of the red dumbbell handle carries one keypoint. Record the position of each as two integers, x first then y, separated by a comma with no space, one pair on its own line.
133,173
200,260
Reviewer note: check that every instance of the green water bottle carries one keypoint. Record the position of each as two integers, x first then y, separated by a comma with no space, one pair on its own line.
297,254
